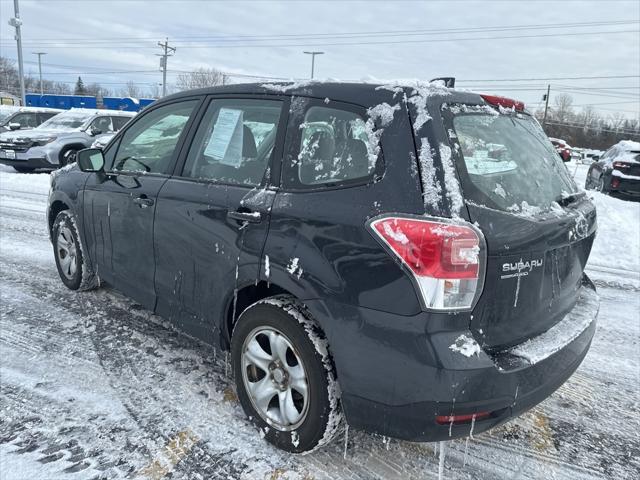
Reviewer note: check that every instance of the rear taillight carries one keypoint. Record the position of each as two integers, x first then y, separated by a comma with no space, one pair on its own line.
446,260
621,165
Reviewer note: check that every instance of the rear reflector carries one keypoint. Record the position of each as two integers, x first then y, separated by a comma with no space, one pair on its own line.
503,102
454,419
445,259
615,182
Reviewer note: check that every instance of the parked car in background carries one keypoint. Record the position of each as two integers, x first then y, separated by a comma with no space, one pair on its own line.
588,156
102,140
55,143
617,172
25,118
562,147
421,278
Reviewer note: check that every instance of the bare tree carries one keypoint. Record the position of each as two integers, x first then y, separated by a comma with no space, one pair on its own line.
97,90
563,109
202,77
131,90
154,91
617,120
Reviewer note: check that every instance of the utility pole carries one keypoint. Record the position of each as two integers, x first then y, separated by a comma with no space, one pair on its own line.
16,23
546,106
313,60
40,68
167,52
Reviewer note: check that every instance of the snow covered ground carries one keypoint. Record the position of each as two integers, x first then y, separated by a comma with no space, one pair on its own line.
93,386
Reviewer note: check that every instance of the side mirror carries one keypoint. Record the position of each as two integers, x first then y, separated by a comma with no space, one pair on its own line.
90,160
93,131
14,126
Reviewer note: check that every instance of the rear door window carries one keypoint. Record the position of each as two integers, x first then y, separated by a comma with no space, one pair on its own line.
102,124
119,122
235,141
507,162
333,146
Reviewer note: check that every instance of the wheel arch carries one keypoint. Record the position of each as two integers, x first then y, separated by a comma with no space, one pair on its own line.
238,302
55,208
72,146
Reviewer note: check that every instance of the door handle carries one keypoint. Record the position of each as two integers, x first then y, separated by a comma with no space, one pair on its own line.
143,201
251,217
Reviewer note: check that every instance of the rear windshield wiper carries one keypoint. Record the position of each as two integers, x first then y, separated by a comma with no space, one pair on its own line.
567,199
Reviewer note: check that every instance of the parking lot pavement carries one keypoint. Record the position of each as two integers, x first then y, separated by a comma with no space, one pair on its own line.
93,386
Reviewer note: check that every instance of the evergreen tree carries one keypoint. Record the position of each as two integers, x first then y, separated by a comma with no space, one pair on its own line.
80,88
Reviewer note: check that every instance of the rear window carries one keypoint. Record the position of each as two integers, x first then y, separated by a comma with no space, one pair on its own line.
508,163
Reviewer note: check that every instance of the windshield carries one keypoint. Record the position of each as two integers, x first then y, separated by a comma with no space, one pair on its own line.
66,121
5,114
509,163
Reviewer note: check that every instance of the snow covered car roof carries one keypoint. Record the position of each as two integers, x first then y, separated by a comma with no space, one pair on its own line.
366,94
629,146
624,151
15,109
99,111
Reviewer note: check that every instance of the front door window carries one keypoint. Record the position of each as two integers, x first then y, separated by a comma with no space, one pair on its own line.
148,145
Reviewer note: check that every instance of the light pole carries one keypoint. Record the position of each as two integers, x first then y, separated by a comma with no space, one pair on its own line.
16,23
40,68
313,60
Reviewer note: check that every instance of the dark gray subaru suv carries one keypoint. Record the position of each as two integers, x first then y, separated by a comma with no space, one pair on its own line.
405,258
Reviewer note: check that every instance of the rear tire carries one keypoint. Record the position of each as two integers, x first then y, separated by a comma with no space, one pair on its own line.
23,169
74,270
293,396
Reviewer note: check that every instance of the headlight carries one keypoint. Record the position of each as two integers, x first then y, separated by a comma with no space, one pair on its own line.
43,141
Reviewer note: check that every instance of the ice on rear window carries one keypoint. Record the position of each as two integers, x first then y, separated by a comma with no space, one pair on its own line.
507,162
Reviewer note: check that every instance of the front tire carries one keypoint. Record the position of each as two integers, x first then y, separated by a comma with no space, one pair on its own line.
284,375
74,270
67,157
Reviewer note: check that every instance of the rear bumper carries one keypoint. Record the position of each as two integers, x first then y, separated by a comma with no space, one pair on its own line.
398,373
627,188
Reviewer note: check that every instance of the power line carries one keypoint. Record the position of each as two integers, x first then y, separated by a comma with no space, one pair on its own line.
227,38
587,127
548,78
384,42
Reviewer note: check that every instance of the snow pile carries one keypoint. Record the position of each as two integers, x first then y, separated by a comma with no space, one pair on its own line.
32,183
383,113
285,87
454,192
398,235
465,345
294,267
431,188
618,240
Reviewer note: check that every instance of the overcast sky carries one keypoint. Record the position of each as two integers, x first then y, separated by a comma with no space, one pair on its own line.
361,39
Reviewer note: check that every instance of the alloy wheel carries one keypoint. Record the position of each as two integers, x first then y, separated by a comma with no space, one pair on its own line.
67,252
275,378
